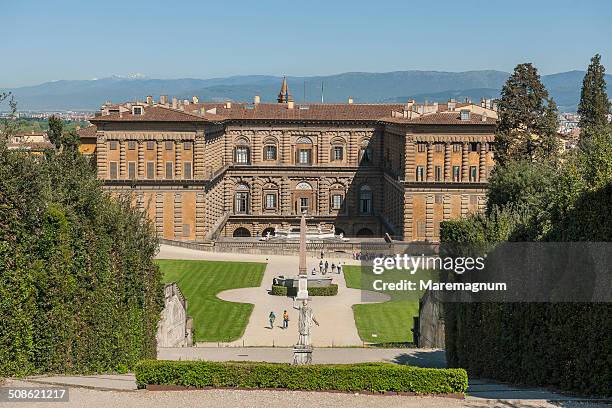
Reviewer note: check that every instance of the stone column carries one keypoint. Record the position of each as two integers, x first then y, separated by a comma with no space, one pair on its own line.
482,163
198,157
447,162
410,154
408,216
122,162
159,214
464,163
200,229
160,158
429,217
178,216
141,162
101,156
178,162
430,176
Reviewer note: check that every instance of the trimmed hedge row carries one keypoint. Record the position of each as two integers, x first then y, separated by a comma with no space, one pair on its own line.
370,377
279,290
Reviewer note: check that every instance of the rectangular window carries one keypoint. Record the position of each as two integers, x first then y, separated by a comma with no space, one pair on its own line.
270,152
336,201
132,170
456,173
150,145
242,155
439,147
338,152
473,173
304,156
438,173
113,170
113,145
132,144
169,145
150,170
456,147
421,147
187,145
420,173
241,205
270,201
169,166
303,204
474,146
438,198
421,228
186,230
187,170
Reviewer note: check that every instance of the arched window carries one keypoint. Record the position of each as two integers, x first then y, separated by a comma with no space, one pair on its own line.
365,232
241,232
365,152
337,149
365,200
270,230
302,185
270,150
241,201
303,153
242,151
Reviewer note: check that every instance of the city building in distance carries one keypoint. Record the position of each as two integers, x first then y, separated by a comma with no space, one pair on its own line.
208,170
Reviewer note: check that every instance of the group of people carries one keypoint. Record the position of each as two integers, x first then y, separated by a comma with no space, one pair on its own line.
272,318
324,267
360,256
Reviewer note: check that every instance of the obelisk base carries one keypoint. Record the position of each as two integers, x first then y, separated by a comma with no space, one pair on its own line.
302,355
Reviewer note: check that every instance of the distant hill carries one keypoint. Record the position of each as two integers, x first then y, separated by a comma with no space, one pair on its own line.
361,86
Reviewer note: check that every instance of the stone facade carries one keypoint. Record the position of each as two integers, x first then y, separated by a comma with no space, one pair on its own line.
203,171
175,328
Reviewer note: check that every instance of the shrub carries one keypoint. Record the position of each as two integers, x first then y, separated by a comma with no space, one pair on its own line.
279,290
372,377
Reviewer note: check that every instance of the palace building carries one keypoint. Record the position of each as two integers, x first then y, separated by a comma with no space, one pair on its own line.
209,170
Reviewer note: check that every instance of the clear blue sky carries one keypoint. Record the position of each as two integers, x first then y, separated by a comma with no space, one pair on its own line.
56,39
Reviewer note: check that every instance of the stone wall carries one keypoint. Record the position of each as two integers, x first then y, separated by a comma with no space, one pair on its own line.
175,328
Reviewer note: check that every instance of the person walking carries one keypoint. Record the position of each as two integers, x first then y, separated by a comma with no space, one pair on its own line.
339,270
321,267
333,267
285,320
272,318
326,266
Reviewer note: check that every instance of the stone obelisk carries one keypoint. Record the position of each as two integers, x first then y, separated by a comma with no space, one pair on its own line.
302,351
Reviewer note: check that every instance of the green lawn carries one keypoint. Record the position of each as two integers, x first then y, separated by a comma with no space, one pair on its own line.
390,321
214,319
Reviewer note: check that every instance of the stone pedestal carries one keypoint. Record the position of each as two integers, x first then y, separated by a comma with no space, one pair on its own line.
302,354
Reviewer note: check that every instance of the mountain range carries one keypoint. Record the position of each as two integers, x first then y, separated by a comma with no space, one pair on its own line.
363,87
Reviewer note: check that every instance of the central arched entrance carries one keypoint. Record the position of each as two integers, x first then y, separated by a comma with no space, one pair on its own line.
270,230
241,232
303,198
365,232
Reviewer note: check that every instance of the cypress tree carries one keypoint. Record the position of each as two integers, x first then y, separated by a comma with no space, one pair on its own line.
594,105
528,120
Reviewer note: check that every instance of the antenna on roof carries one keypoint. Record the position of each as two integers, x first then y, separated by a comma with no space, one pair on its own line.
322,92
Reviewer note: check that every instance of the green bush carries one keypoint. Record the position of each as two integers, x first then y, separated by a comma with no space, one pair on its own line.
279,290
372,377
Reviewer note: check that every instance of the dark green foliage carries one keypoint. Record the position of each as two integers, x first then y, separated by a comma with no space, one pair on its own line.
331,290
79,291
566,346
528,123
594,105
372,377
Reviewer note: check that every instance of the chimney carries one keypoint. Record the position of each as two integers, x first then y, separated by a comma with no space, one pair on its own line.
350,100
195,100
149,100
228,105
174,103
163,99
256,99
186,102
290,104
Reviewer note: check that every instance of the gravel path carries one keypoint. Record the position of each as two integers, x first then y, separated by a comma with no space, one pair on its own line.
80,397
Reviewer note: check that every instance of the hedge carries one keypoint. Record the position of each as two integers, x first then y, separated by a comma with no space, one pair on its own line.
279,290
79,292
369,377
